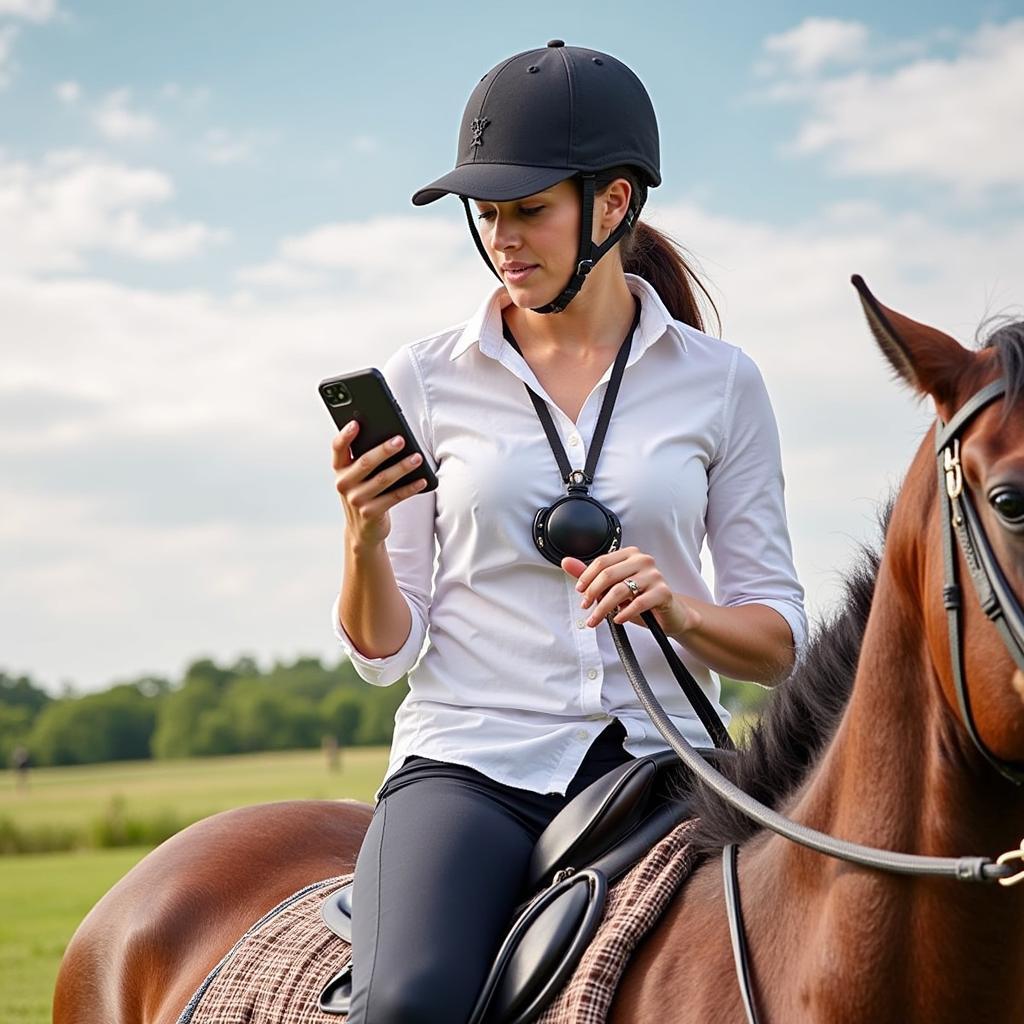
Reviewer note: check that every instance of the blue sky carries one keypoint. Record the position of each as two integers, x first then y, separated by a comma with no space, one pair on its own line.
193,195
342,113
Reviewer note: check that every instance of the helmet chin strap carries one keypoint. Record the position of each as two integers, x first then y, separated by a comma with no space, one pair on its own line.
587,255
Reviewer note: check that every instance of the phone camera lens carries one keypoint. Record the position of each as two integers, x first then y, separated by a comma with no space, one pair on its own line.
337,394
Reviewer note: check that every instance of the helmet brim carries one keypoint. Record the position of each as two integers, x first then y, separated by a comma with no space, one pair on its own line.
496,183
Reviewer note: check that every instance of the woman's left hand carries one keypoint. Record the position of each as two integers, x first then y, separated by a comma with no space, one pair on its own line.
602,587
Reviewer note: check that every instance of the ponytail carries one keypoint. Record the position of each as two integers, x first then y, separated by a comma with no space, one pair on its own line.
658,258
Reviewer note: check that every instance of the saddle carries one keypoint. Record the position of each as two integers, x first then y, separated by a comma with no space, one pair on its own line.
594,840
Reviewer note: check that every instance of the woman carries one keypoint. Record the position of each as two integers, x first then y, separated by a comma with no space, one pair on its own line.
520,700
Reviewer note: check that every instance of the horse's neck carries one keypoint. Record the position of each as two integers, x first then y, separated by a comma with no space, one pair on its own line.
899,775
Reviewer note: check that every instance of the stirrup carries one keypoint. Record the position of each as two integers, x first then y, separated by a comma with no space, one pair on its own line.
336,998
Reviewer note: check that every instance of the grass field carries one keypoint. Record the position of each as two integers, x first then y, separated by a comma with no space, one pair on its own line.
43,897
190,789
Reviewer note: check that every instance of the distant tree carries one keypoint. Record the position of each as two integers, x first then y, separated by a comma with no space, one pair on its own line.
307,677
266,718
341,713
212,710
379,706
114,725
216,733
208,671
178,716
21,692
245,665
15,725
151,686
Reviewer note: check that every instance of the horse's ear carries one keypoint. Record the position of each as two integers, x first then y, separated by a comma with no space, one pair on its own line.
929,361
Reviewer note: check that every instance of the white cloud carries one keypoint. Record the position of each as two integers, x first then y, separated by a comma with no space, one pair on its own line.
281,274
68,92
380,240
118,122
37,11
814,43
30,10
168,451
358,253
55,212
952,120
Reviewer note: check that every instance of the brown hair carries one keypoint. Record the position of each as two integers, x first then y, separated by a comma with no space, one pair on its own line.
656,257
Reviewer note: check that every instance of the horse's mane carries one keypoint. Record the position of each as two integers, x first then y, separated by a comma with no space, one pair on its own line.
1008,341
802,713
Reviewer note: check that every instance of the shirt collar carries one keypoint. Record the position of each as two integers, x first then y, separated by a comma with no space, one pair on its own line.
485,325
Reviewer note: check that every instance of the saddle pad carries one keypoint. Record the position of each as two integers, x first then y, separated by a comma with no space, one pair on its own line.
275,972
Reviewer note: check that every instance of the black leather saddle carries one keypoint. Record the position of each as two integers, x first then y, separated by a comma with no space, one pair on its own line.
594,840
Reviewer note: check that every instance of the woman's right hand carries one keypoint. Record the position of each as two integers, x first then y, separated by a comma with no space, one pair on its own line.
366,509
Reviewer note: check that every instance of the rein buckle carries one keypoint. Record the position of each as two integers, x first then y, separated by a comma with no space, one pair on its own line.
1005,858
954,473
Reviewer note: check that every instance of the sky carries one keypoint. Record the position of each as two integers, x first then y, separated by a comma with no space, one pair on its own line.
205,209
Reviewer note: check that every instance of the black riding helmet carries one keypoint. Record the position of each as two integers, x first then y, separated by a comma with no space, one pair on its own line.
541,117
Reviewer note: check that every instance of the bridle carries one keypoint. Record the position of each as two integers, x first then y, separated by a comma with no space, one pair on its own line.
959,518
999,603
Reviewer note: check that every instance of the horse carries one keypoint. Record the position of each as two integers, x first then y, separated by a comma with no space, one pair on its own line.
865,741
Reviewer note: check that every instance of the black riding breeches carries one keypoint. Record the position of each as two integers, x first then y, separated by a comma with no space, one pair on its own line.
440,871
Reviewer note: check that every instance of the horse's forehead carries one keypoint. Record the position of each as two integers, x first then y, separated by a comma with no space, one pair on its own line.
995,439
983,367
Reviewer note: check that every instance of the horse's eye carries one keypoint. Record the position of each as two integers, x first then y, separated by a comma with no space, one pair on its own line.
1009,504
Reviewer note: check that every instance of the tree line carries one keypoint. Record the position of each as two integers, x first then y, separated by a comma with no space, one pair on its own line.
214,710
211,710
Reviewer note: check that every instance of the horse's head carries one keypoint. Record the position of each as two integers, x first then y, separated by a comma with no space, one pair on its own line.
969,488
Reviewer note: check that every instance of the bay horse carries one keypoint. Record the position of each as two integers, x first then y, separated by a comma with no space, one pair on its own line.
864,742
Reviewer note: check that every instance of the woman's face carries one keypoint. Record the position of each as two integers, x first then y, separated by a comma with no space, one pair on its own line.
541,232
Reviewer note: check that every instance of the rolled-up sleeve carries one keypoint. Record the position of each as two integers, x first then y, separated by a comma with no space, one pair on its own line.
410,544
747,533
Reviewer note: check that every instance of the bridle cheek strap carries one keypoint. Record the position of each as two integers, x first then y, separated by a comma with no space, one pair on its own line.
959,519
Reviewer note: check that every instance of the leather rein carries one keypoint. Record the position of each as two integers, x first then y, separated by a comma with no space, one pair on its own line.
960,520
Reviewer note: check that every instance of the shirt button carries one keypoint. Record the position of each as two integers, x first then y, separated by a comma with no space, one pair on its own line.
580,623
592,674
582,734
574,440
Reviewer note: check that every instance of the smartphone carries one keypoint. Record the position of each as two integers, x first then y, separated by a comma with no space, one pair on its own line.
364,396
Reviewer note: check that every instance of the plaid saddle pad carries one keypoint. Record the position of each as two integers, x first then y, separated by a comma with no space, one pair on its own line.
275,972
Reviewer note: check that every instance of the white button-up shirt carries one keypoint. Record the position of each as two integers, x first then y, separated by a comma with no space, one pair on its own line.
511,681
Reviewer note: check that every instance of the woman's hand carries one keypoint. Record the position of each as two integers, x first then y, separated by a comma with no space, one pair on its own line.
602,587
359,485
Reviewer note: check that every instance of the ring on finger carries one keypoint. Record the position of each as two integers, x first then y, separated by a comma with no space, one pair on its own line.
633,588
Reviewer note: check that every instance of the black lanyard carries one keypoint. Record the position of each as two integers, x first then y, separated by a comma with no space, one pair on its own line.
574,480
578,522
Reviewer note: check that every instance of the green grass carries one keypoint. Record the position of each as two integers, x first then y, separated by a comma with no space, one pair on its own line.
109,804
192,788
43,897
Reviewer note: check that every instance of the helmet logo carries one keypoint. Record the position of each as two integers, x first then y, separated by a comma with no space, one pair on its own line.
478,126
